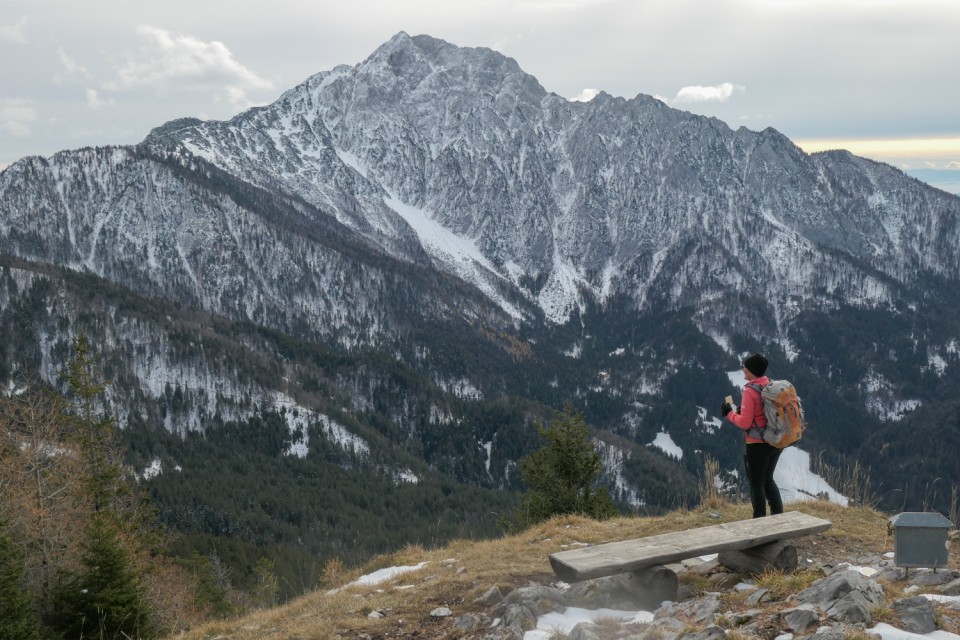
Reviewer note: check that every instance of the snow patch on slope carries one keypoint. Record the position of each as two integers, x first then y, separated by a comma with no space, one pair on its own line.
798,483
665,443
459,255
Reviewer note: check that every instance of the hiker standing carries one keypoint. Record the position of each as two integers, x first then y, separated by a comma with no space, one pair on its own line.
761,458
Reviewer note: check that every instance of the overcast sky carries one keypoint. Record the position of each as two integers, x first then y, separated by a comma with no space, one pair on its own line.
877,76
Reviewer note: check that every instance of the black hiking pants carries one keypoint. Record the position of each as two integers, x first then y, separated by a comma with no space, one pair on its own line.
761,460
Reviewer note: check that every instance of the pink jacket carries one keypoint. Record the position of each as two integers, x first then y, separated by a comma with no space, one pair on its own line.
751,410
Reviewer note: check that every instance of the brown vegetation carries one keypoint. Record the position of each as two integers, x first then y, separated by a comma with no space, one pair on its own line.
456,575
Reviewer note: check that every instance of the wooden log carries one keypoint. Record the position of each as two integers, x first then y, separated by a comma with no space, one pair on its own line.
776,555
651,586
631,555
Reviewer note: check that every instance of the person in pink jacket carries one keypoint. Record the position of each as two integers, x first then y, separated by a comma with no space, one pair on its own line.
761,458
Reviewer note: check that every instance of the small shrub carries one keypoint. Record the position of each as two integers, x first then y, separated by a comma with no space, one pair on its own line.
332,571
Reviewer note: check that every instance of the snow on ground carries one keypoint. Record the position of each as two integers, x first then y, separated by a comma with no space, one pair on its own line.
722,341
155,469
665,443
737,379
952,601
488,447
382,575
937,364
406,475
709,423
549,624
797,482
888,632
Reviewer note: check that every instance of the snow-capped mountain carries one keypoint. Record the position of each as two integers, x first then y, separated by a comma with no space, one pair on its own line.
504,182
475,249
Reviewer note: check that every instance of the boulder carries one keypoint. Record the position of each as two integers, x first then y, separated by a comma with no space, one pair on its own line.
490,597
916,615
853,608
700,611
927,578
826,591
951,588
538,599
801,618
519,619
713,632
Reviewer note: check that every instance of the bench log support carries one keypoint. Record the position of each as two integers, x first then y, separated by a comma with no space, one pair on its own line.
651,586
774,555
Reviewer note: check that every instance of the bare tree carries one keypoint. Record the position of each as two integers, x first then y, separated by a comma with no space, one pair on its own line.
44,497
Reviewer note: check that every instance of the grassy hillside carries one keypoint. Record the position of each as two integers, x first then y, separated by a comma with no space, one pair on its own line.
457,574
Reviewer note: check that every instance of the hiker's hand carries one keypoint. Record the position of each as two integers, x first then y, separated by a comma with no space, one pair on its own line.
725,408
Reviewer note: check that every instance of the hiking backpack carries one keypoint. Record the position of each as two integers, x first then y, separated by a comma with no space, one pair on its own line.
781,407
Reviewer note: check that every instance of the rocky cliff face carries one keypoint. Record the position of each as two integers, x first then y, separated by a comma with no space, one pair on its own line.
507,184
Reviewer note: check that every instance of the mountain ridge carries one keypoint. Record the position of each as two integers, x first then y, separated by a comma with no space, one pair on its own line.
547,239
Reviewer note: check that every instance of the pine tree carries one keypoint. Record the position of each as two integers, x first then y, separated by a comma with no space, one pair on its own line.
95,434
561,475
105,599
17,619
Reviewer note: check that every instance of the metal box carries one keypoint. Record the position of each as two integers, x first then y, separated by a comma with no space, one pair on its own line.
920,539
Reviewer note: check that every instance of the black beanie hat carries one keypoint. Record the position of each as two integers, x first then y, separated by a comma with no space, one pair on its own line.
756,364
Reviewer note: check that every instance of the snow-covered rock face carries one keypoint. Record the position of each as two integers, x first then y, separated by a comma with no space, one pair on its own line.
425,148
561,198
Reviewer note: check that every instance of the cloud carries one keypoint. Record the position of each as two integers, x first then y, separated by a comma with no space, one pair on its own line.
69,64
696,93
94,101
172,61
585,96
75,71
16,116
14,33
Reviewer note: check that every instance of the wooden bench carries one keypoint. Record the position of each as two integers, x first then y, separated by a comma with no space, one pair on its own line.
760,538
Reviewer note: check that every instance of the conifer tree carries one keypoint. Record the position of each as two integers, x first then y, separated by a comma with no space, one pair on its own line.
561,475
17,619
95,434
105,599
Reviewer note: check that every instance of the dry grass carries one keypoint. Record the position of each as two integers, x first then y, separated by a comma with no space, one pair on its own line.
462,571
783,584
858,634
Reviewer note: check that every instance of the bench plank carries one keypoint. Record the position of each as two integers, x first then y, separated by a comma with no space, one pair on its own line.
630,555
